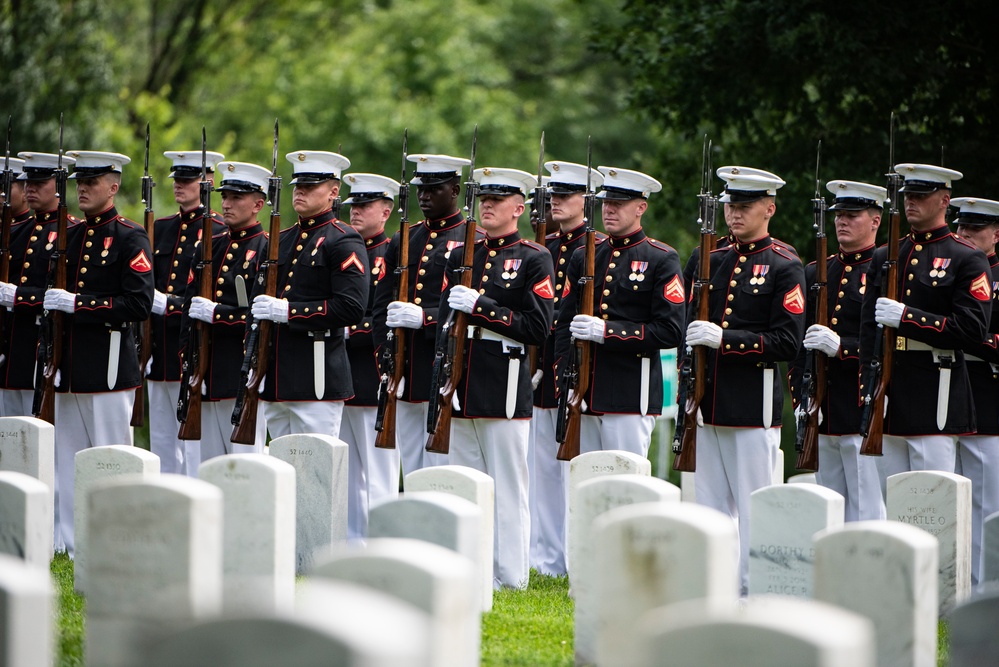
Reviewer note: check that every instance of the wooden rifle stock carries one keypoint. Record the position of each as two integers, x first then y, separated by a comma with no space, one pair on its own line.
807,439
568,448
394,357
6,184
197,365
52,320
439,441
146,346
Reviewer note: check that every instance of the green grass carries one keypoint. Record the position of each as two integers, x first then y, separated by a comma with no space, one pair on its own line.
532,627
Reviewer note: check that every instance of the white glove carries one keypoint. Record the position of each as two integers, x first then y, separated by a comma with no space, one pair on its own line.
587,327
346,333
269,308
823,339
402,387
7,291
59,299
202,309
702,332
149,367
582,404
536,379
799,412
462,298
250,379
404,315
888,312
159,302
455,403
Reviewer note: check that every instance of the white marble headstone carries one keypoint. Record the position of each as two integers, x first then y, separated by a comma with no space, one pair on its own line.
783,520
990,549
25,518
803,478
336,623
94,465
688,487
155,562
974,640
258,543
320,463
432,578
28,445
764,630
939,503
886,571
589,466
653,554
592,498
475,486
26,614
436,517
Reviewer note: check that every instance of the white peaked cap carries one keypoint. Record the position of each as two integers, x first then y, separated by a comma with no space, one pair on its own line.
435,169
569,177
746,184
187,164
243,177
504,182
316,166
926,178
626,184
975,211
96,163
856,196
42,166
369,187
16,164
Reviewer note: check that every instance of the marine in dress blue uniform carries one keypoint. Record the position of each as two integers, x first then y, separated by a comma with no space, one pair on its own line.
237,254
373,473
438,183
110,272
756,319
639,302
549,476
34,201
322,288
857,210
510,306
977,222
176,238
945,293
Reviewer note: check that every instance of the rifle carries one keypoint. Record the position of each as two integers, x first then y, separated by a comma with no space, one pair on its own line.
576,377
338,200
50,333
195,364
6,184
539,237
806,442
393,360
449,357
693,369
878,373
146,345
256,355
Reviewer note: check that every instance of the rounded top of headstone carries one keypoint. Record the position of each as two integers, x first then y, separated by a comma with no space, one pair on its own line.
26,483
895,531
701,517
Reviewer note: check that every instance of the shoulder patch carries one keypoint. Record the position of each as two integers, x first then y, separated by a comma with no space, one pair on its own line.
794,301
140,263
981,288
673,292
351,261
544,288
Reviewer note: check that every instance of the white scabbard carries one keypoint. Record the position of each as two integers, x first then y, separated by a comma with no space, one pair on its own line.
319,363
643,395
114,352
768,397
944,359
512,382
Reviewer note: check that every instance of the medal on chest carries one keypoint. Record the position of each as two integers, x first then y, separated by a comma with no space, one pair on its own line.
51,239
250,254
940,265
638,271
760,272
510,267
107,246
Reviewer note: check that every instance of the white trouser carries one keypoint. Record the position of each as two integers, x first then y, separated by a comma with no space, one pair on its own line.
372,473
629,433
922,452
287,417
216,427
16,402
176,456
855,477
549,495
411,437
498,447
731,464
978,460
82,421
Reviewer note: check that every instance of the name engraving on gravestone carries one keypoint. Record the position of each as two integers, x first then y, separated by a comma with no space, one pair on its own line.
641,540
109,467
300,452
925,518
785,568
